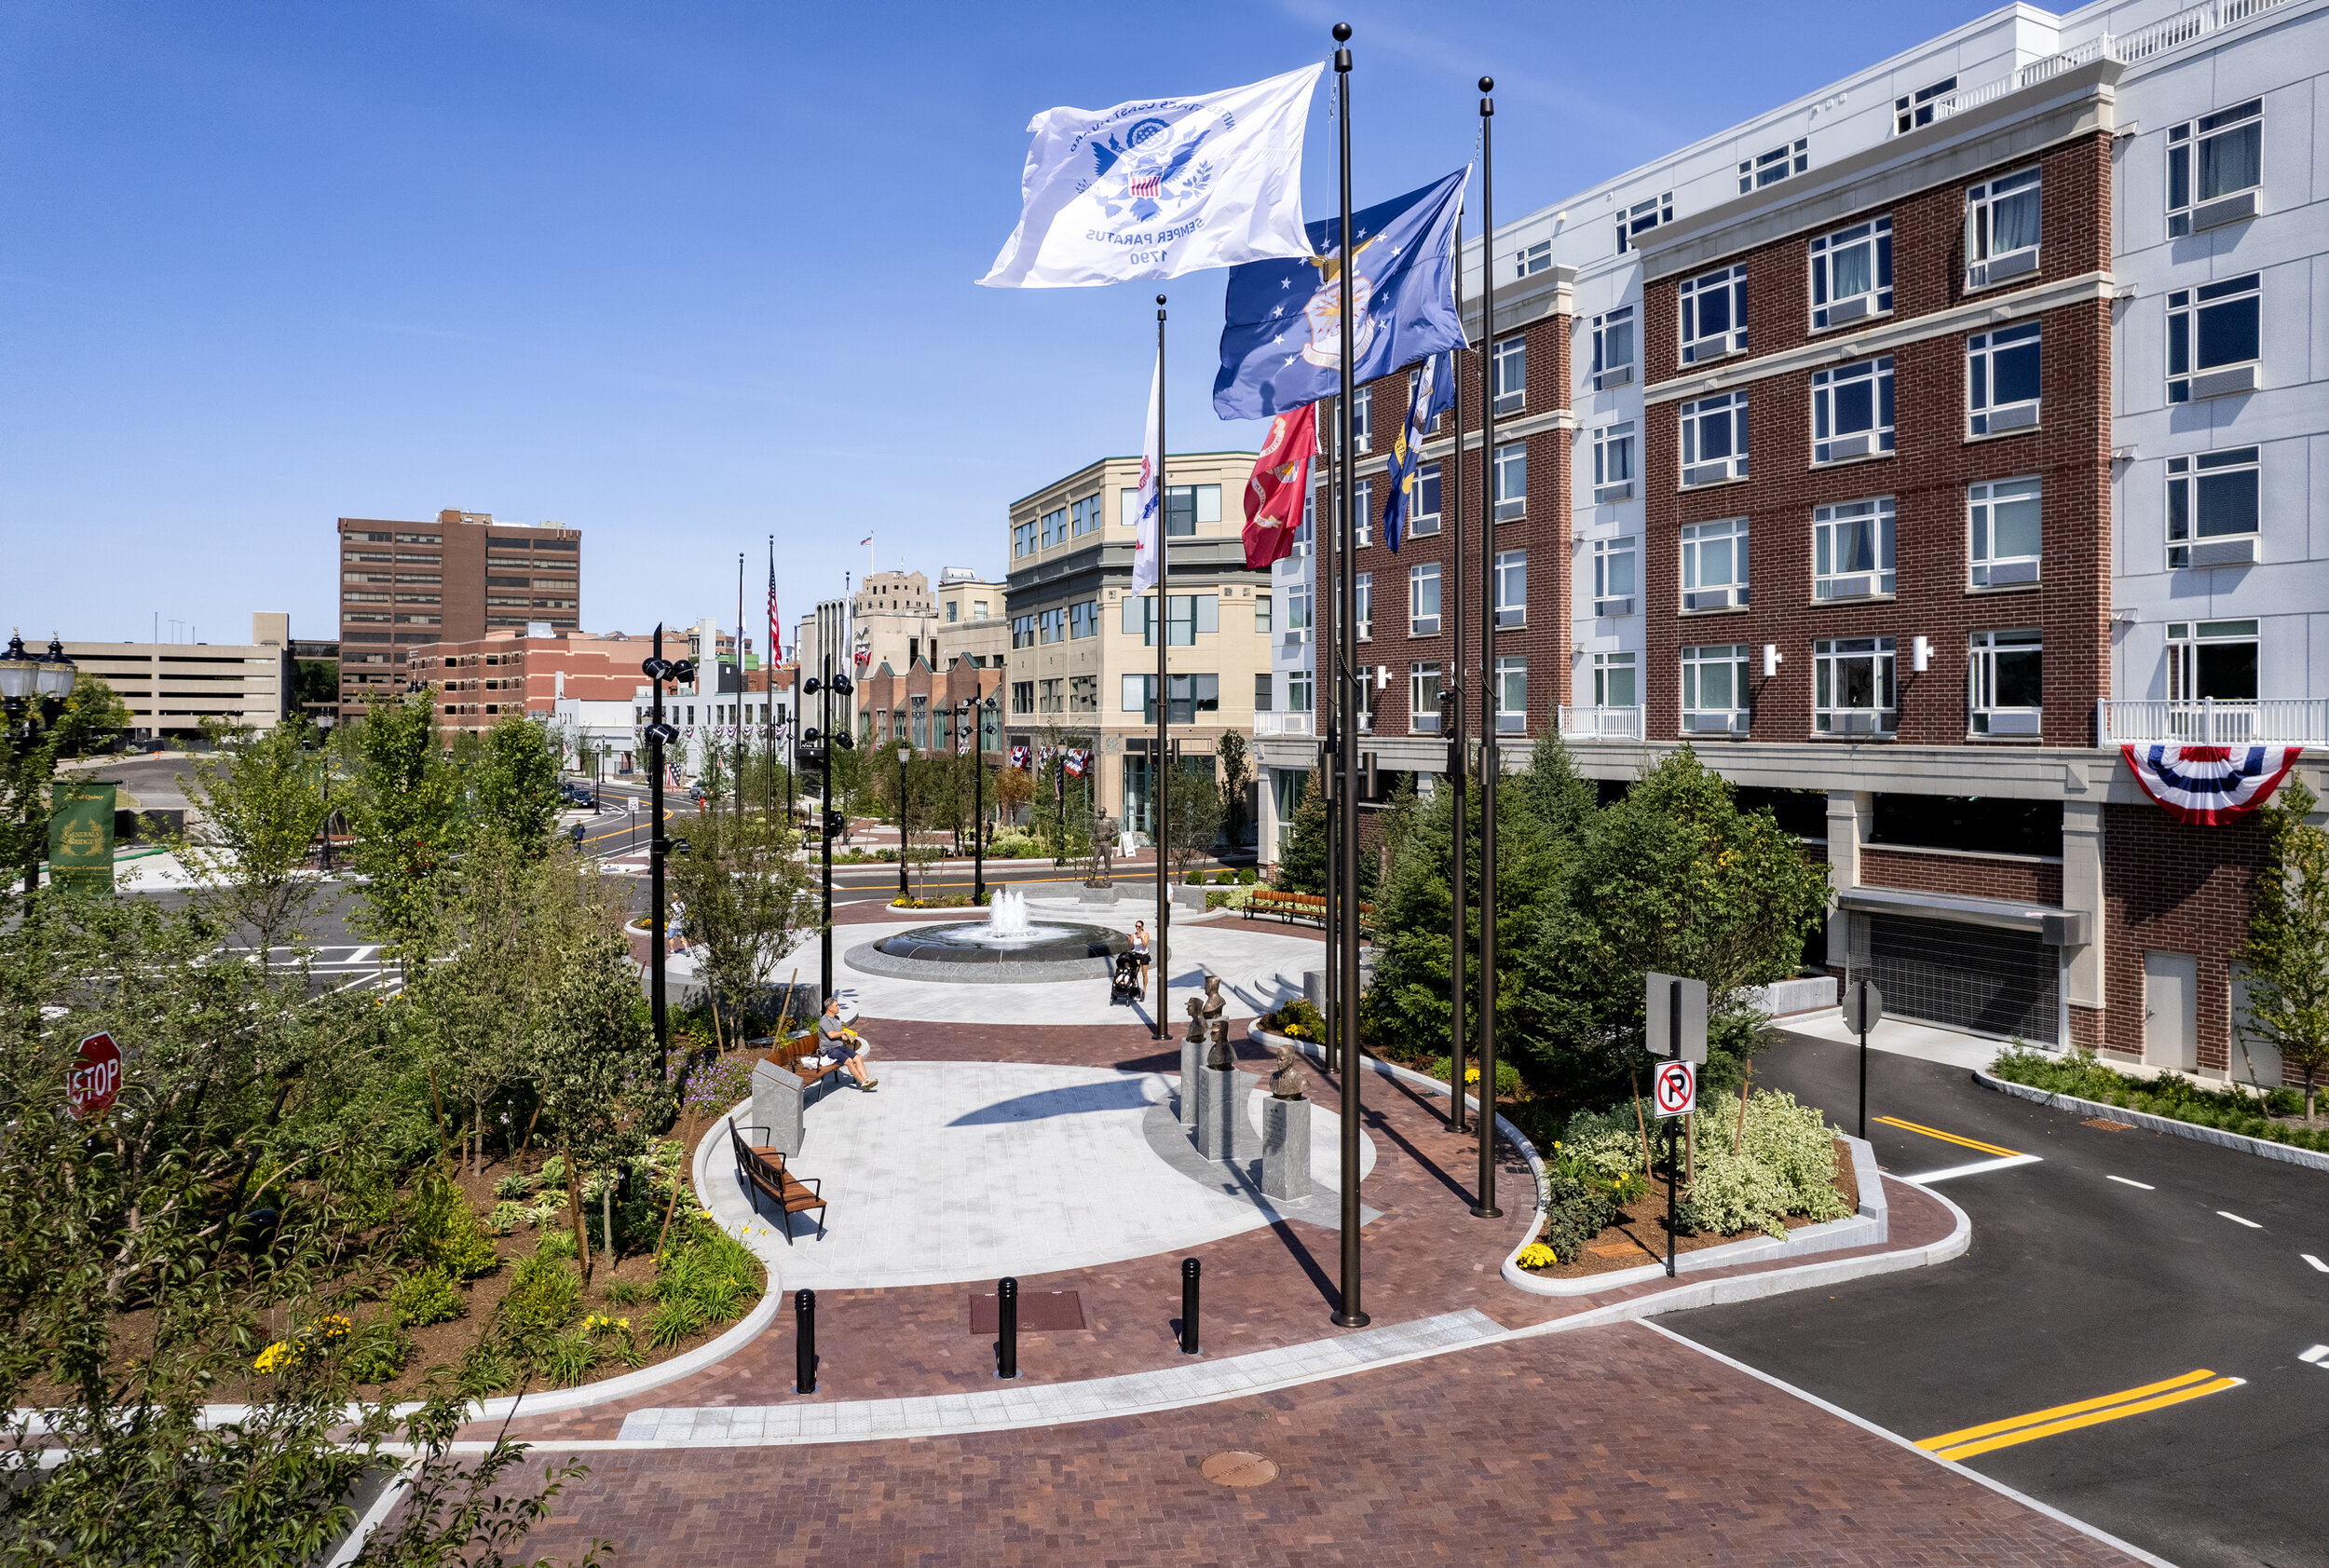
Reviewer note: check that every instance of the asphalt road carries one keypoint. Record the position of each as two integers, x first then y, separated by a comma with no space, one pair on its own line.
2118,1261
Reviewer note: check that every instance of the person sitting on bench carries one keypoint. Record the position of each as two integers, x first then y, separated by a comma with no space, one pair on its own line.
839,1043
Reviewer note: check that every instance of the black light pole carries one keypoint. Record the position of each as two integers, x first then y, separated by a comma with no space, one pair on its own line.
904,752
33,683
976,710
1452,725
658,732
1349,1315
1486,1206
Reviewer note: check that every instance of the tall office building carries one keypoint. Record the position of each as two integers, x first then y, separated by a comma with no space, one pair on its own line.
1908,451
403,585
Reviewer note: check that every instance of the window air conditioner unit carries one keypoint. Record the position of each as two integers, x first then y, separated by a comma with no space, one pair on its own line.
1621,491
2227,210
1707,598
1616,376
1861,723
1849,446
1853,587
1981,274
1706,473
2006,572
2222,383
1613,606
2013,419
2225,552
2013,724
1702,724
1849,311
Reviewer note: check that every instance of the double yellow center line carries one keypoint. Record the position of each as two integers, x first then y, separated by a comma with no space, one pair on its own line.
1947,1137
2015,1429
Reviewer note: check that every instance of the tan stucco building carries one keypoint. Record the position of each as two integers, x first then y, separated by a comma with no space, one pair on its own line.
171,688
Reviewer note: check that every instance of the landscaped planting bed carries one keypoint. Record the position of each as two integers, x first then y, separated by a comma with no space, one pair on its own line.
2276,1115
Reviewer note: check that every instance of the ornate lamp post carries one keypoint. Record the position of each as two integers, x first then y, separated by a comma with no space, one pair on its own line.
658,670
904,751
33,689
975,713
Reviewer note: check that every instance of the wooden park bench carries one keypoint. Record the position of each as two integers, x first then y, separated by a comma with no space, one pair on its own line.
763,1168
1291,907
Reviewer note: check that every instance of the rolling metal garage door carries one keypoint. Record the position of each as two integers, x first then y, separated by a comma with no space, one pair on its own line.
1967,976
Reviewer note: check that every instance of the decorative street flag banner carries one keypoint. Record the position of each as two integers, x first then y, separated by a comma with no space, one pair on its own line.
1281,478
81,836
1433,390
1144,543
1075,764
2209,785
1161,186
1018,758
1282,341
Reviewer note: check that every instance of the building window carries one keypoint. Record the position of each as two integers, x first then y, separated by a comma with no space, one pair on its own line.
1769,168
2001,229
1050,625
1512,481
1187,615
1613,347
1641,217
1423,698
1297,692
1262,692
2212,659
1054,524
1363,525
1852,549
1189,696
1083,619
1714,687
2215,338
1264,603
1022,696
1366,585
1531,259
2004,682
1852,688
1423,516
1714,564
1022,539
1714,315
2212,511
1309,516
954,609
2230,146
1614,683
2001,379
1185,507
1512,588
1918,107
1512,694
1714,439
2003,520
1298,606
1084,515
1512,375
1613,576
1613,462
1363,421
1851,411
1423,600
1047,700
1851,274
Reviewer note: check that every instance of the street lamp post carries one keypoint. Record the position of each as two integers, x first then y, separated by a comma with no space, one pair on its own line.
975,713
815,746
904,751
33,689
658,670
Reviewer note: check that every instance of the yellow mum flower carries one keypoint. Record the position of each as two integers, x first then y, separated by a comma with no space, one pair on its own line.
1536,1255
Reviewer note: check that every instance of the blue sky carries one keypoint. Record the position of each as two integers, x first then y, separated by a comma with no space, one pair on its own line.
681,275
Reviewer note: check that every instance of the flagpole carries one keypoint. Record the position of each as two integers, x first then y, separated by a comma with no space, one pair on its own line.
1164,686
1486,1206
1452,705
744,689
1350,1315
767,709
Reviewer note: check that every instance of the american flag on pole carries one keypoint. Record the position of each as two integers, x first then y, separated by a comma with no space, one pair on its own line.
670,770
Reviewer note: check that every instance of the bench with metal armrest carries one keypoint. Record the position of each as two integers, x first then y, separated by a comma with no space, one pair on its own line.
763,1168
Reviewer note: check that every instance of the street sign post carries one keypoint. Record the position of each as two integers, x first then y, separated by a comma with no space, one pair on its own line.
1675,1016
1674,1092
1863,1006
94,1078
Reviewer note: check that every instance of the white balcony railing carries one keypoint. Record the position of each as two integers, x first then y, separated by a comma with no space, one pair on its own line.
1269,726
2184,27
1600,724
2274,721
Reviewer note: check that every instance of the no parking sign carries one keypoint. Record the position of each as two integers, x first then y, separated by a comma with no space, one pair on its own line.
1674,1088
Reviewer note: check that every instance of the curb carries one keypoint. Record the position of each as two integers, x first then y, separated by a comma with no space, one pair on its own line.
2239,1142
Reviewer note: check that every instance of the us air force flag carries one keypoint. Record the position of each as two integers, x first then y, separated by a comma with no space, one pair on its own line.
1160,187
1144,541
1282,344
1431,390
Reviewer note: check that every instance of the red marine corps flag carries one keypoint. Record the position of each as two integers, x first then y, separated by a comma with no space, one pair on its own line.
1281,478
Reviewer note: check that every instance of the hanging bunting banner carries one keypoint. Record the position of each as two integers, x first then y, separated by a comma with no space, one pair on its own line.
1018,757
2209,786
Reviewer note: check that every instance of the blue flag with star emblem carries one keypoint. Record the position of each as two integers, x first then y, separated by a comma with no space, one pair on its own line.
1430,392
1282,341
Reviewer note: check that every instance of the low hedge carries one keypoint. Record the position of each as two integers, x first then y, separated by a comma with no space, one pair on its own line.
2079,1073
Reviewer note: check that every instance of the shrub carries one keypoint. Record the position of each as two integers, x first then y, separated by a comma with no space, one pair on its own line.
1577,1209
672,1321
1194,879
544,1295
443,1231
1536,1255
1785,1165
487,1369
624,1293
1507,1076
508,1217
1013,846
555,1244
554,1173
1299,1021
1225,879
423,1297
568,1359
514,1186
375,1352
1609,1141
1247,876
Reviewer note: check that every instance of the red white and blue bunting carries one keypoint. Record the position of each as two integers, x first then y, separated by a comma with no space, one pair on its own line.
2209,786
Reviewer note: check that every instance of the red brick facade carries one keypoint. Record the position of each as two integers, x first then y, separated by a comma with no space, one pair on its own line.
2170,888
481,680
885,698
2022,882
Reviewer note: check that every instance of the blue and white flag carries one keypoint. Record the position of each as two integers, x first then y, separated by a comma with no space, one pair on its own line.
1282,341
1161,186
1431,391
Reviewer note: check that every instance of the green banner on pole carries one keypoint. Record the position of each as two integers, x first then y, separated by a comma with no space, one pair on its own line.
81,836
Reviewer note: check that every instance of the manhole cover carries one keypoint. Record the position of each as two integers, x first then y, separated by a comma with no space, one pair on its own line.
1234,1467
2106,1125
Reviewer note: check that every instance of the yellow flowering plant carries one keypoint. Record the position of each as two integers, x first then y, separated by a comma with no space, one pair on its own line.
1536,1255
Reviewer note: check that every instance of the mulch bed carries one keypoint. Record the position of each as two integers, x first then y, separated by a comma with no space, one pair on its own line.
1638,1235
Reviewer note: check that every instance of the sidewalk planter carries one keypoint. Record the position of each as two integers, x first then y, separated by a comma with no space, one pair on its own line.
2239,1143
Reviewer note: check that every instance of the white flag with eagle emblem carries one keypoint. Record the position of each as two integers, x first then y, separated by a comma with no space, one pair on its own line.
1161,186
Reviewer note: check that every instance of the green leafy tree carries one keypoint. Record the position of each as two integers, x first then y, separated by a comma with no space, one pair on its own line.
748,899
1193,812
1302,863
406,817
1237,776
2286,954
513,784
260,797
601,1083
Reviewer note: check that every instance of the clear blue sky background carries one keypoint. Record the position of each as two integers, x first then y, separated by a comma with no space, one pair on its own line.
682,275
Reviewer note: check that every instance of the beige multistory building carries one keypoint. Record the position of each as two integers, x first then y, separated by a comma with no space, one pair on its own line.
1081,660
971,624
171,688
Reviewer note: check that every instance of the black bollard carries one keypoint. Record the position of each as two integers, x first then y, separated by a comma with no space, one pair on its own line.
804,1341
1007,1328
1189,1270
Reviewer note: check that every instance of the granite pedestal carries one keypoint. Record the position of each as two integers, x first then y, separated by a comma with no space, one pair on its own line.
777,1105
1285,1148
1192,1063
1222,1133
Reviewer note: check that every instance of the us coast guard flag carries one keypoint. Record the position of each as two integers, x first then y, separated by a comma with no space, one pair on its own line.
1431,390
1161,186
1144,541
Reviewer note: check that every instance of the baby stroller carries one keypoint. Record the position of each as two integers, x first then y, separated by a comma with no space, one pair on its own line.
1123,983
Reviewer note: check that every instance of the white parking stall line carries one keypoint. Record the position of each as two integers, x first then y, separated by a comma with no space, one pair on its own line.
2317,1357
2317,1263
1978,1168
2125,1182
2236,1220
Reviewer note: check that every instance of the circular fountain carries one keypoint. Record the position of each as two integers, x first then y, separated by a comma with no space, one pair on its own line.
1011,947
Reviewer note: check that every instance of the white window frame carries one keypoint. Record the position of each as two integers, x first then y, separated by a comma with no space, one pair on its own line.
1533,258
1700,590
1728,284
2188,205
1428,479
1984,414
1616,575
1613,465
1512,706
1366,587
1512,588
1986,265
2234,470
2187,309
1511,364
1614,675
1699,718
1363,419
1830,656
1612,330
1512,464
1989,716
1643,216
1418,576
1299,691
1830,441
1835,525
2186,639
1363,524
1423,697
1726,411
1918,108
1780,163
1832,310
1986,567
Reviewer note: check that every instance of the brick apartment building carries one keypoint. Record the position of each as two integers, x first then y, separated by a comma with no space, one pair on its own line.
1906,451
406,585
481,680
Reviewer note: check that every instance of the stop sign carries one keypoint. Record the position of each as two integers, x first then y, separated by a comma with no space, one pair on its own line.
95,1077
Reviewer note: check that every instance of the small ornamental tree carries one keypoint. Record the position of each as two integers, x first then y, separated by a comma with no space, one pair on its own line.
1303,864
1237,778
406,816
2287,951
748,900
261,801
601,1082
513,784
